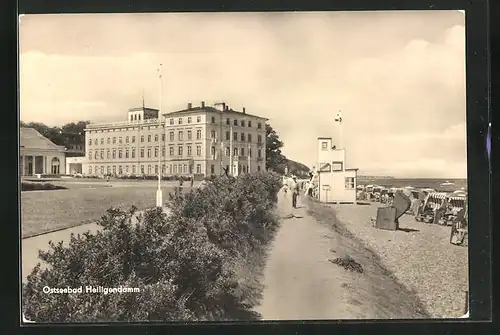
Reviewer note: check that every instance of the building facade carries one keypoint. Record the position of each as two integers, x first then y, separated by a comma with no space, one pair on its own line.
75,144
74,165
202,140
39,155
336,183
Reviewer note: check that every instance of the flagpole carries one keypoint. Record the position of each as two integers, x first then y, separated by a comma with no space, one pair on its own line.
159,194
231,150
341,133
340,120
221,145
249,158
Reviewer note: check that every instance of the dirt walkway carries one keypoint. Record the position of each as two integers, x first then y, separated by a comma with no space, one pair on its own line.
299,280
31,245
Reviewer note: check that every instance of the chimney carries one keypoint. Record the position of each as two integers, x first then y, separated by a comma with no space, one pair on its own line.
224,106
244,111
203,104
190,105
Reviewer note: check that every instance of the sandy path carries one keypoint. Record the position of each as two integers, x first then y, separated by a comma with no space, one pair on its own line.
300,282
30,246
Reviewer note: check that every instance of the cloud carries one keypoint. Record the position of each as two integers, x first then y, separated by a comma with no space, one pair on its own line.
401,90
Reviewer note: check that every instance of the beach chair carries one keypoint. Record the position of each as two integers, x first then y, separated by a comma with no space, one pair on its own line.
459,228
388,217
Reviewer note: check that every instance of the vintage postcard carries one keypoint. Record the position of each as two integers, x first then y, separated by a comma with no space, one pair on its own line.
243,166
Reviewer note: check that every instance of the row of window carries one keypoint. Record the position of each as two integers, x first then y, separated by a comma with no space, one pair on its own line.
119,169
242,123
75,147
120,140
180,137
136,117
349,182
331,166
126,153
172,169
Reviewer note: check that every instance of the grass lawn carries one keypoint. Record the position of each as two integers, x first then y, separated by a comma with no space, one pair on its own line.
52,210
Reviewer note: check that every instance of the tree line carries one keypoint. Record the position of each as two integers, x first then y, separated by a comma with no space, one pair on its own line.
59,135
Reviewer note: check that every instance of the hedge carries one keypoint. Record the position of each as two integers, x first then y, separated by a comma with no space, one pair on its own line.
185,263
149,177
36,186
196,177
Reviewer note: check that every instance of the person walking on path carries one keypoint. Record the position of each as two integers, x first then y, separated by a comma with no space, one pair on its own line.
285,209
192,181
295,192
181,181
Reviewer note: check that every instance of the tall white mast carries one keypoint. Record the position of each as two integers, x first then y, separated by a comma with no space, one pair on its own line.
339,120
159,194
231,150
249,158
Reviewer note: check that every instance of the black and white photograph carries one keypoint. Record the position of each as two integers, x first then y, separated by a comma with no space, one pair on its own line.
243,166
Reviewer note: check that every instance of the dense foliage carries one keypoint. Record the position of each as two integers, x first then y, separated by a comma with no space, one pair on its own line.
184,263
276,161
68,133
297,169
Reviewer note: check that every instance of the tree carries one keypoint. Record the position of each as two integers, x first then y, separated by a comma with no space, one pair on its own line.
75,128
275,160
57,134
52,133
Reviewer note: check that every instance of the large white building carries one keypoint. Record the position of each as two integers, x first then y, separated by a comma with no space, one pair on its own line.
203,140
336,183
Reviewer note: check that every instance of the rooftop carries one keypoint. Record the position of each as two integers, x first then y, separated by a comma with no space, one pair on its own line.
29,138
210,109
143,108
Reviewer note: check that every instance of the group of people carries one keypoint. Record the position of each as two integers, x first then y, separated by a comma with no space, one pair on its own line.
191,180
293,186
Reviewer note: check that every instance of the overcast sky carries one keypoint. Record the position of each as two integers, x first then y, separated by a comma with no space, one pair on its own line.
398,77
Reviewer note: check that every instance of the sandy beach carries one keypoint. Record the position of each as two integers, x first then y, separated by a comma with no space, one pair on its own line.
419,256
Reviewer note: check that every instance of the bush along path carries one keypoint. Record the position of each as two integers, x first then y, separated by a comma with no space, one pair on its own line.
197,263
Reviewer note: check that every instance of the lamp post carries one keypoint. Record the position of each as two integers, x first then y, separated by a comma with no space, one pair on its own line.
231,151
221,149
159,193
249,158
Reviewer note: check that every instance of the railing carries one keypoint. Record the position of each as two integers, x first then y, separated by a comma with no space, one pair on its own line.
124,123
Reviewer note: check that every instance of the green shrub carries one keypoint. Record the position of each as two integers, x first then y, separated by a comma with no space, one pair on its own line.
184,264
154,177
237,212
